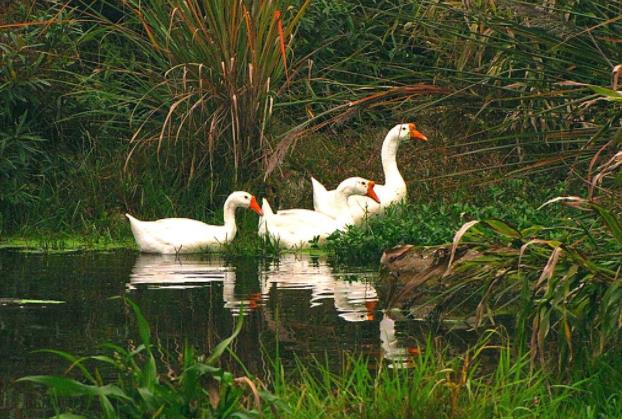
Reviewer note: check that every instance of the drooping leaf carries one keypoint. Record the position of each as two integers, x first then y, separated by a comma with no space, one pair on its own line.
502,228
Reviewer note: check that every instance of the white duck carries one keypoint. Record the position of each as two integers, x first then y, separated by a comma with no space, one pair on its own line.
183,235
297,227
394,190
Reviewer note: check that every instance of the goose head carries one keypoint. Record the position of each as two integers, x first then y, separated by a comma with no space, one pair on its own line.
245,200
405,132
359,186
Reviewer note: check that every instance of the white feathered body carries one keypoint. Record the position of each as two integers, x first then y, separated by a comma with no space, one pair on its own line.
359,206
178,235
295,228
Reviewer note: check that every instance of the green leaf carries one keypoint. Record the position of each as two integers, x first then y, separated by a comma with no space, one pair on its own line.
75,361
502,228
73,388
610,220
609,94
143,326
222,346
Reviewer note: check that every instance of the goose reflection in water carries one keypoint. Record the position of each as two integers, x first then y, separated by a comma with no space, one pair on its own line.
354,300
182,272
394,351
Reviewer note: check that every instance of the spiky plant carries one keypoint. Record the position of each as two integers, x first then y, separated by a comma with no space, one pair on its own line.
207,76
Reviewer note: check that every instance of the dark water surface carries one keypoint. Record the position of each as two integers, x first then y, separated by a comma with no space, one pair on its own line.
299,304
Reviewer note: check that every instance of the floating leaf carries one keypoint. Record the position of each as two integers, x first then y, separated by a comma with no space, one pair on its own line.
24,301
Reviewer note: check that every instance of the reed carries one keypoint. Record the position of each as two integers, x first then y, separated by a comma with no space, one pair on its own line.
208,78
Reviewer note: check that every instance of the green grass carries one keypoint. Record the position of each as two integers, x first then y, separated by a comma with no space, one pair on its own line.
436,385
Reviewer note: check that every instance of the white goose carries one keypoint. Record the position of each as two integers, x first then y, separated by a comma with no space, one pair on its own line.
297,227
394,190
183,235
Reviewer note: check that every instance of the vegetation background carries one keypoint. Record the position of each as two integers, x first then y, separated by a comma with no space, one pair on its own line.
162,108
108,107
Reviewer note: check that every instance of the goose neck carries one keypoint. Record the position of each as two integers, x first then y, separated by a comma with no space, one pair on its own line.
229,217
390,145
342,193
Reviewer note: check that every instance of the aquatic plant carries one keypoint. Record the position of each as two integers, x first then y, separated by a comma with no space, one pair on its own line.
198,388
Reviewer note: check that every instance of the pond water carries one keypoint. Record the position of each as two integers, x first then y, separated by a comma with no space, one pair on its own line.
300,305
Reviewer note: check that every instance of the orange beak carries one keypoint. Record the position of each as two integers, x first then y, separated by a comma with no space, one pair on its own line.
371,309
370,191
254,300
414,351
255,206
416,135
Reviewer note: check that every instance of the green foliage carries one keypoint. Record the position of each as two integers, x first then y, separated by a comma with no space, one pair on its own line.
435,223
204,81
31,61
561,281
508,70
199,389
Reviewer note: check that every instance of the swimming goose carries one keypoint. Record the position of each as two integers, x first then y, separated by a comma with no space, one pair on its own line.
183,235
394,190
297,227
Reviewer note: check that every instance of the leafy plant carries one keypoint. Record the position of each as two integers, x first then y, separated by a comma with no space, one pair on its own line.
200,388
563,287
29,78
435,223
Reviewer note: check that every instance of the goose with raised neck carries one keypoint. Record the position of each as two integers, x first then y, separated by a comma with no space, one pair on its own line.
394,189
